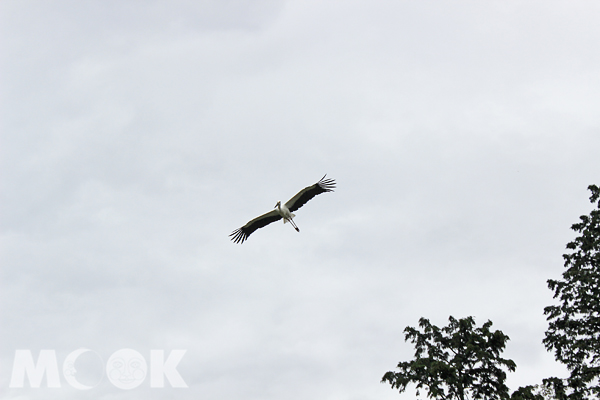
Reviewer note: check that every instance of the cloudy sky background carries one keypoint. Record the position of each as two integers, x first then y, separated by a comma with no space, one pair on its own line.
136,135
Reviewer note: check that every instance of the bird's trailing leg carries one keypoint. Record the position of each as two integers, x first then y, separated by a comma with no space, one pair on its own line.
293,224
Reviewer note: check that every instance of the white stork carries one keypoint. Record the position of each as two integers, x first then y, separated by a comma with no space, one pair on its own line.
284,211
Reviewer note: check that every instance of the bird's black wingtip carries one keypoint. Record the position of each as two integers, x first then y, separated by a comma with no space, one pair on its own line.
326,184
238,236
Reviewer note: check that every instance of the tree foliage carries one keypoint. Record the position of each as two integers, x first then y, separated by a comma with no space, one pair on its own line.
458,361
535,392
527,393
574,324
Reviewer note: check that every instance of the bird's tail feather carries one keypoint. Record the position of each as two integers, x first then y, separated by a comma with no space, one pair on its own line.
285,220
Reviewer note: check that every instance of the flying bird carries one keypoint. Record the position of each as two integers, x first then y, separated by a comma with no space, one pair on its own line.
284,211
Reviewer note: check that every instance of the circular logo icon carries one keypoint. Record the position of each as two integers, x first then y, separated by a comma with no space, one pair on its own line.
83,369
126,369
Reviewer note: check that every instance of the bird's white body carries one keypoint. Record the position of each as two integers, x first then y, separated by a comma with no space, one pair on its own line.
286,214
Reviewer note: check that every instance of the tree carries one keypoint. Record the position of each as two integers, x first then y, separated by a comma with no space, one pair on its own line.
574,324
455,362
526,393
535,392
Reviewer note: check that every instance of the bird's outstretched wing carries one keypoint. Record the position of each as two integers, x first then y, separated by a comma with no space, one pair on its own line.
303,196
241,234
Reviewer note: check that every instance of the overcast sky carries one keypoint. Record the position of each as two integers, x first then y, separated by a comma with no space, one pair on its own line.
136,135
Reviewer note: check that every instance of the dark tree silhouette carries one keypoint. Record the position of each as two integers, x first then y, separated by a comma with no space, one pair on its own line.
528,393
458,361
574,324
